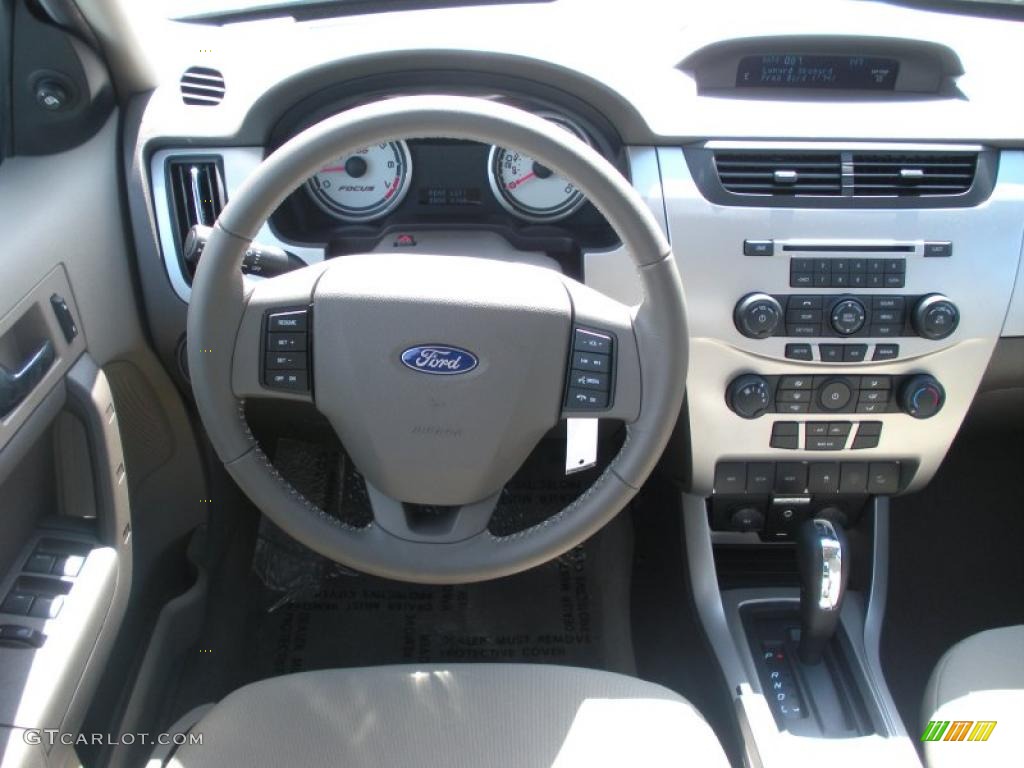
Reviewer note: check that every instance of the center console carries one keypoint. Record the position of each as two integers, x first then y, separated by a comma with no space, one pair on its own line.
835,343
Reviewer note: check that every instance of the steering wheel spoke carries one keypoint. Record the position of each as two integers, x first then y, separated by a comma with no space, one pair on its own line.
430,524
603,376
274,346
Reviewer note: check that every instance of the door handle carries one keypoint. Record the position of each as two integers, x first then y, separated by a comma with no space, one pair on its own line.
15,387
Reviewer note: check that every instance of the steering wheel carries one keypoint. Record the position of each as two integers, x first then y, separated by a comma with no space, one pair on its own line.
504,337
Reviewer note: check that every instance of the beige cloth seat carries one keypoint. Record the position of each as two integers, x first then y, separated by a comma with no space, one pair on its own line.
979,678
457,716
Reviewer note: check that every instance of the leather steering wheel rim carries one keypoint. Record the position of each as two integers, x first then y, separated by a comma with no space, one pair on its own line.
220,296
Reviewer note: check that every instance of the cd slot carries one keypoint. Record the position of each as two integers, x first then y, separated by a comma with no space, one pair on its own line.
847,248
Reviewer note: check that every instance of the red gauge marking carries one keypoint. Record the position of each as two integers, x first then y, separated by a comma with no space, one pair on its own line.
516,182
394,186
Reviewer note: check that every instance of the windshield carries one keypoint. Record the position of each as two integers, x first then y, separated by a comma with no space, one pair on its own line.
242,9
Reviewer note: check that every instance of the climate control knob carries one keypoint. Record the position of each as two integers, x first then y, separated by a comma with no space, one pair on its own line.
922,396
749,395
758,315
935,317
848,316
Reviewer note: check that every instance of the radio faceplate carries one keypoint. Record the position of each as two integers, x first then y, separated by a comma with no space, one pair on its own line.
968,256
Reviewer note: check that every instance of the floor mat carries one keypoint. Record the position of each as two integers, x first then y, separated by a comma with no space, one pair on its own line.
955,561
570,611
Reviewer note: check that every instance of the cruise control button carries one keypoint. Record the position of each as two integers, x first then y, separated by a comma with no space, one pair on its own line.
588,341
291,380
587,361
589,380
586,398
292,322
286,361
286,342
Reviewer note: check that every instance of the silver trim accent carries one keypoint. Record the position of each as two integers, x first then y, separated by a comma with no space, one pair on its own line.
197,195
839,146
875,616
831,566
237,163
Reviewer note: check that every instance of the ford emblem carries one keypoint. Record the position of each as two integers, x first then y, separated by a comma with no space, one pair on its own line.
439,359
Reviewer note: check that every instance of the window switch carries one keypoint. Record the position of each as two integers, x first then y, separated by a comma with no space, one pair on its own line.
39,564
47,607
68,566
17,603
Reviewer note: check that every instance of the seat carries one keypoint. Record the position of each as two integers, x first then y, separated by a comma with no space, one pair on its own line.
457,716
981,678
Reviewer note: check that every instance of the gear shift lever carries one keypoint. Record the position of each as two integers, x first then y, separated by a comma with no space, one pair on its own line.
823,559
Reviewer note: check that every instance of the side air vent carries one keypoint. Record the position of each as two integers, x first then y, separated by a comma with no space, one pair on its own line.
202,87
197,194
780,173
913,174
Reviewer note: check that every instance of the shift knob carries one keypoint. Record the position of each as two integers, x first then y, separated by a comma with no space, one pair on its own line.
823,560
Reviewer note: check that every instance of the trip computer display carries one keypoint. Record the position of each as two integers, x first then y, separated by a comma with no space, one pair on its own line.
793,70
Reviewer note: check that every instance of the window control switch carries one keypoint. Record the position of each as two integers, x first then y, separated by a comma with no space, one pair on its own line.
39,563
17,604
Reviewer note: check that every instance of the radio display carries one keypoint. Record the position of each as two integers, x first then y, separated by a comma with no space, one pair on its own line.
793,70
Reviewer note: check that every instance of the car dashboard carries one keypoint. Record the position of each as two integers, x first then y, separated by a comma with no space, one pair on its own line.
842,194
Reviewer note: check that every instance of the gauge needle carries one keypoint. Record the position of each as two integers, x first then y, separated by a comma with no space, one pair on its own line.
333,169
516,182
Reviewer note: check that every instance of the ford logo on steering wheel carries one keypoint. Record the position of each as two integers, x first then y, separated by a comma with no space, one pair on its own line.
439,359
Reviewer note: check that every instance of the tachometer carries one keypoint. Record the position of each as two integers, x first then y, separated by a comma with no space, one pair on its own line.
366,184
529,189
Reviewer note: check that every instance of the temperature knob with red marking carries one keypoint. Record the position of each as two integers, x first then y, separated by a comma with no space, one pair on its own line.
922,396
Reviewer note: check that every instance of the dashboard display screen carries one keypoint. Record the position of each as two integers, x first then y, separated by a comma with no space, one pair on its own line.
793,70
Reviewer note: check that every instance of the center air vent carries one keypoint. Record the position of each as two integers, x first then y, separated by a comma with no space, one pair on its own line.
780,173
202,86
197,193
914,174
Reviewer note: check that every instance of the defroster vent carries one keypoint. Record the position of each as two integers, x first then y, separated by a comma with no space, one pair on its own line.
202,87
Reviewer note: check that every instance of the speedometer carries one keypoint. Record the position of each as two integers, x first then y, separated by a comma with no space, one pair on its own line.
530,190
366,184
